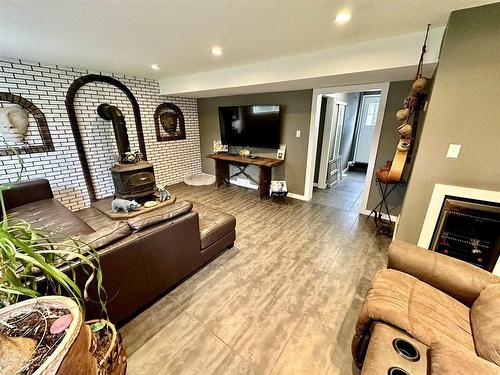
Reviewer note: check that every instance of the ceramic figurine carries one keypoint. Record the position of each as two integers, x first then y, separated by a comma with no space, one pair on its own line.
131,157
124,205
164,194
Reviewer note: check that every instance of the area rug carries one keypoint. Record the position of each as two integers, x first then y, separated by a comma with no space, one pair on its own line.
199,179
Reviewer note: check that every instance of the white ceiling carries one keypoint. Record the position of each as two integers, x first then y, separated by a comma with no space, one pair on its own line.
128,36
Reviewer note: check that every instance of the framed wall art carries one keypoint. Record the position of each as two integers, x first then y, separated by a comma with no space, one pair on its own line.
169,123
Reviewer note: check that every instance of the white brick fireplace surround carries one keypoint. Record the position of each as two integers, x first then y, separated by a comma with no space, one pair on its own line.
46,86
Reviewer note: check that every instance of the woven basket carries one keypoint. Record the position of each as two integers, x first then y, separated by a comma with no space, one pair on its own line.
114,361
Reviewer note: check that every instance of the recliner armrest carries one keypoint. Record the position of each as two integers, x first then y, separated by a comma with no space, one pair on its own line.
459,279
449,359
26,192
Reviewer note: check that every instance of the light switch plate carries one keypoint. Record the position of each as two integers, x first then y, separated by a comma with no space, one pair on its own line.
453,151
297,134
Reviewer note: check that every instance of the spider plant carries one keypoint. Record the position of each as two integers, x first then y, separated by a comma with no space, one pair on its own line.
30,258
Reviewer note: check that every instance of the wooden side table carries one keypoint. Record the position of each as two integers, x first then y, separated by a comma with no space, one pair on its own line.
223,160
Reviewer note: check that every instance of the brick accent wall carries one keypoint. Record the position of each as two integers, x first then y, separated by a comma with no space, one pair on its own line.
46,86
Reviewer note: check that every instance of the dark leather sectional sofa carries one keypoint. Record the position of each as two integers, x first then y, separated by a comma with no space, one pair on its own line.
141,258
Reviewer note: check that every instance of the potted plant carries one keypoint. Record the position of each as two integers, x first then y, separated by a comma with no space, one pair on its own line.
48,334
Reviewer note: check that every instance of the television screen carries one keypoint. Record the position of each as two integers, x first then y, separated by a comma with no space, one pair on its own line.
254,126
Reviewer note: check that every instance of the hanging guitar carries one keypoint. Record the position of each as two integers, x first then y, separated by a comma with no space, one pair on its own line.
408,117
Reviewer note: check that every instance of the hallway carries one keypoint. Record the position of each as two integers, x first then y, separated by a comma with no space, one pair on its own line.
347,194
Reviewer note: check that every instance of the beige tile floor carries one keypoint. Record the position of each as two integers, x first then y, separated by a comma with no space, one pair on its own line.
284,300
347,194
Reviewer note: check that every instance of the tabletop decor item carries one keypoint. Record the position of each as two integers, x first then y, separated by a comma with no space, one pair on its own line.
150,204
219,147
164,194
280,154
124,205
245,152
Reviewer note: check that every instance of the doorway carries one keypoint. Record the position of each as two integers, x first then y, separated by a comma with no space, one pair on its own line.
343,141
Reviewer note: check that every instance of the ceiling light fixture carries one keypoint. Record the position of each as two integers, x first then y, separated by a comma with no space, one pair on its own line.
155,67
343,17
216,51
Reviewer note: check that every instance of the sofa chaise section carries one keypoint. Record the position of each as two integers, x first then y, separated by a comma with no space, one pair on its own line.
140,259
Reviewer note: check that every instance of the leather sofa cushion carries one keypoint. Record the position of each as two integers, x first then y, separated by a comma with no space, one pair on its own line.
422,311
485,320
26,192
453,360
107,235
160,215
96,240
214,224
49,214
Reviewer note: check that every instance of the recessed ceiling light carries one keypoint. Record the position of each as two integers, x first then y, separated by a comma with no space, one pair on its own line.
216,51
155,67
343,17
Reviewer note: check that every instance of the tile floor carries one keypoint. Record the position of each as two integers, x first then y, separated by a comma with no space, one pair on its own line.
284,300
347,194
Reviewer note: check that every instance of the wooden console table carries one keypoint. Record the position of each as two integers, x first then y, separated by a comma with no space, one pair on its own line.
223,160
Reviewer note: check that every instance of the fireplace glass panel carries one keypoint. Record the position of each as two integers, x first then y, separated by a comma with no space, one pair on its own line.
469,230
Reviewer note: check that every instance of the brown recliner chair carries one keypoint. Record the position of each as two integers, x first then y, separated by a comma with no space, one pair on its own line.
429,314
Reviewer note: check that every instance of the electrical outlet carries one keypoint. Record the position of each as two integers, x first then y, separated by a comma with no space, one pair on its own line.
297,134
453,151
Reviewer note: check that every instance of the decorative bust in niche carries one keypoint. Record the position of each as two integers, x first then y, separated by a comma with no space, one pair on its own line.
13,123
168,120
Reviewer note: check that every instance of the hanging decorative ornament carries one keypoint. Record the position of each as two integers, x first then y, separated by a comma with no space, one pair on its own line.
404,144
419,84
403,114
409,118
405,129
410,103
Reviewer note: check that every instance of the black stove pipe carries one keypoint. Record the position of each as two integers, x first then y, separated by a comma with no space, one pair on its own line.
111,112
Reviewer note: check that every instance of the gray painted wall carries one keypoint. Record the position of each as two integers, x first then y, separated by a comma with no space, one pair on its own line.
296,115
465,109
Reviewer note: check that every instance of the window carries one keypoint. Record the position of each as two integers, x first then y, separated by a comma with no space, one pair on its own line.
371,114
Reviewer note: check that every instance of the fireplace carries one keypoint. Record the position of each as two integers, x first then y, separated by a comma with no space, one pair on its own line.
464,223
469,230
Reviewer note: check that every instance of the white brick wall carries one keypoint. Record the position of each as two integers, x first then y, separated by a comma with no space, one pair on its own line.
46,86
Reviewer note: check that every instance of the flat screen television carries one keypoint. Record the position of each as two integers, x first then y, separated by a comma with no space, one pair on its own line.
254,125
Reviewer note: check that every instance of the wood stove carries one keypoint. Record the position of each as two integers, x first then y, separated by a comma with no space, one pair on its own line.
133,178
134,181
469,230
